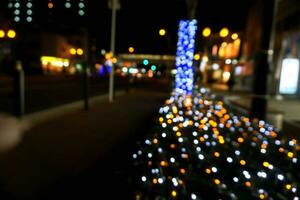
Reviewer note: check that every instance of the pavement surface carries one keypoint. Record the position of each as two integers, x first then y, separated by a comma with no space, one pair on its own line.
86,154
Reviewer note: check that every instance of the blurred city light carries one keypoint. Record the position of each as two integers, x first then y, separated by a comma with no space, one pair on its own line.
197,56
50,5
205,58
214,50
114,60
11,34
108,55
226,76
79,51
81,6
146,62
224,32
72,51
206,32
131,49
153,67
68,4
234,36
2,33
162,32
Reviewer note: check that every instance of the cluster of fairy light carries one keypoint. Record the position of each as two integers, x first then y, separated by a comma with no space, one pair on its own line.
184,79
24,9
200,144
21,11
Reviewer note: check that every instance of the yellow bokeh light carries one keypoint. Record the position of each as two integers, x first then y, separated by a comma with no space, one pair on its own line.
221,139
208,171
2,33
202,139
237,42
243,162
217,154
288,186
108,55
155,141
197,56
290,154
224,32
266,164
162,32
206,32
174,193
11,34
178,134
80,51
217,181
262,196
240,140
72,51
114,60
163,163
154,181
234,36
224,44
131,49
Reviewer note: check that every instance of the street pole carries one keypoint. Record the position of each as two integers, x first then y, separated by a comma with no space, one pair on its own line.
112,49
19,90
262,63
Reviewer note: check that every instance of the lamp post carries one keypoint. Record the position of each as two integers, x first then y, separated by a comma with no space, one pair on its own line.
18,75
112,48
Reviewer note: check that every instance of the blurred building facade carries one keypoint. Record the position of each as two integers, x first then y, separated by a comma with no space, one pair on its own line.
285,48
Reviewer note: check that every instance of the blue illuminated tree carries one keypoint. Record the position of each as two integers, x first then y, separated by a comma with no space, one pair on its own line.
184,79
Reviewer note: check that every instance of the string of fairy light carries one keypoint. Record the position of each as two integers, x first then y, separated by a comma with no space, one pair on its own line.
201,150
22,10
199,139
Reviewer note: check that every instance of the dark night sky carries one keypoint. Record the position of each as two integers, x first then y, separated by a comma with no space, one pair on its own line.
138,21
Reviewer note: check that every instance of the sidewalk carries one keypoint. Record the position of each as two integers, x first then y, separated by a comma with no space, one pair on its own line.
75,155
